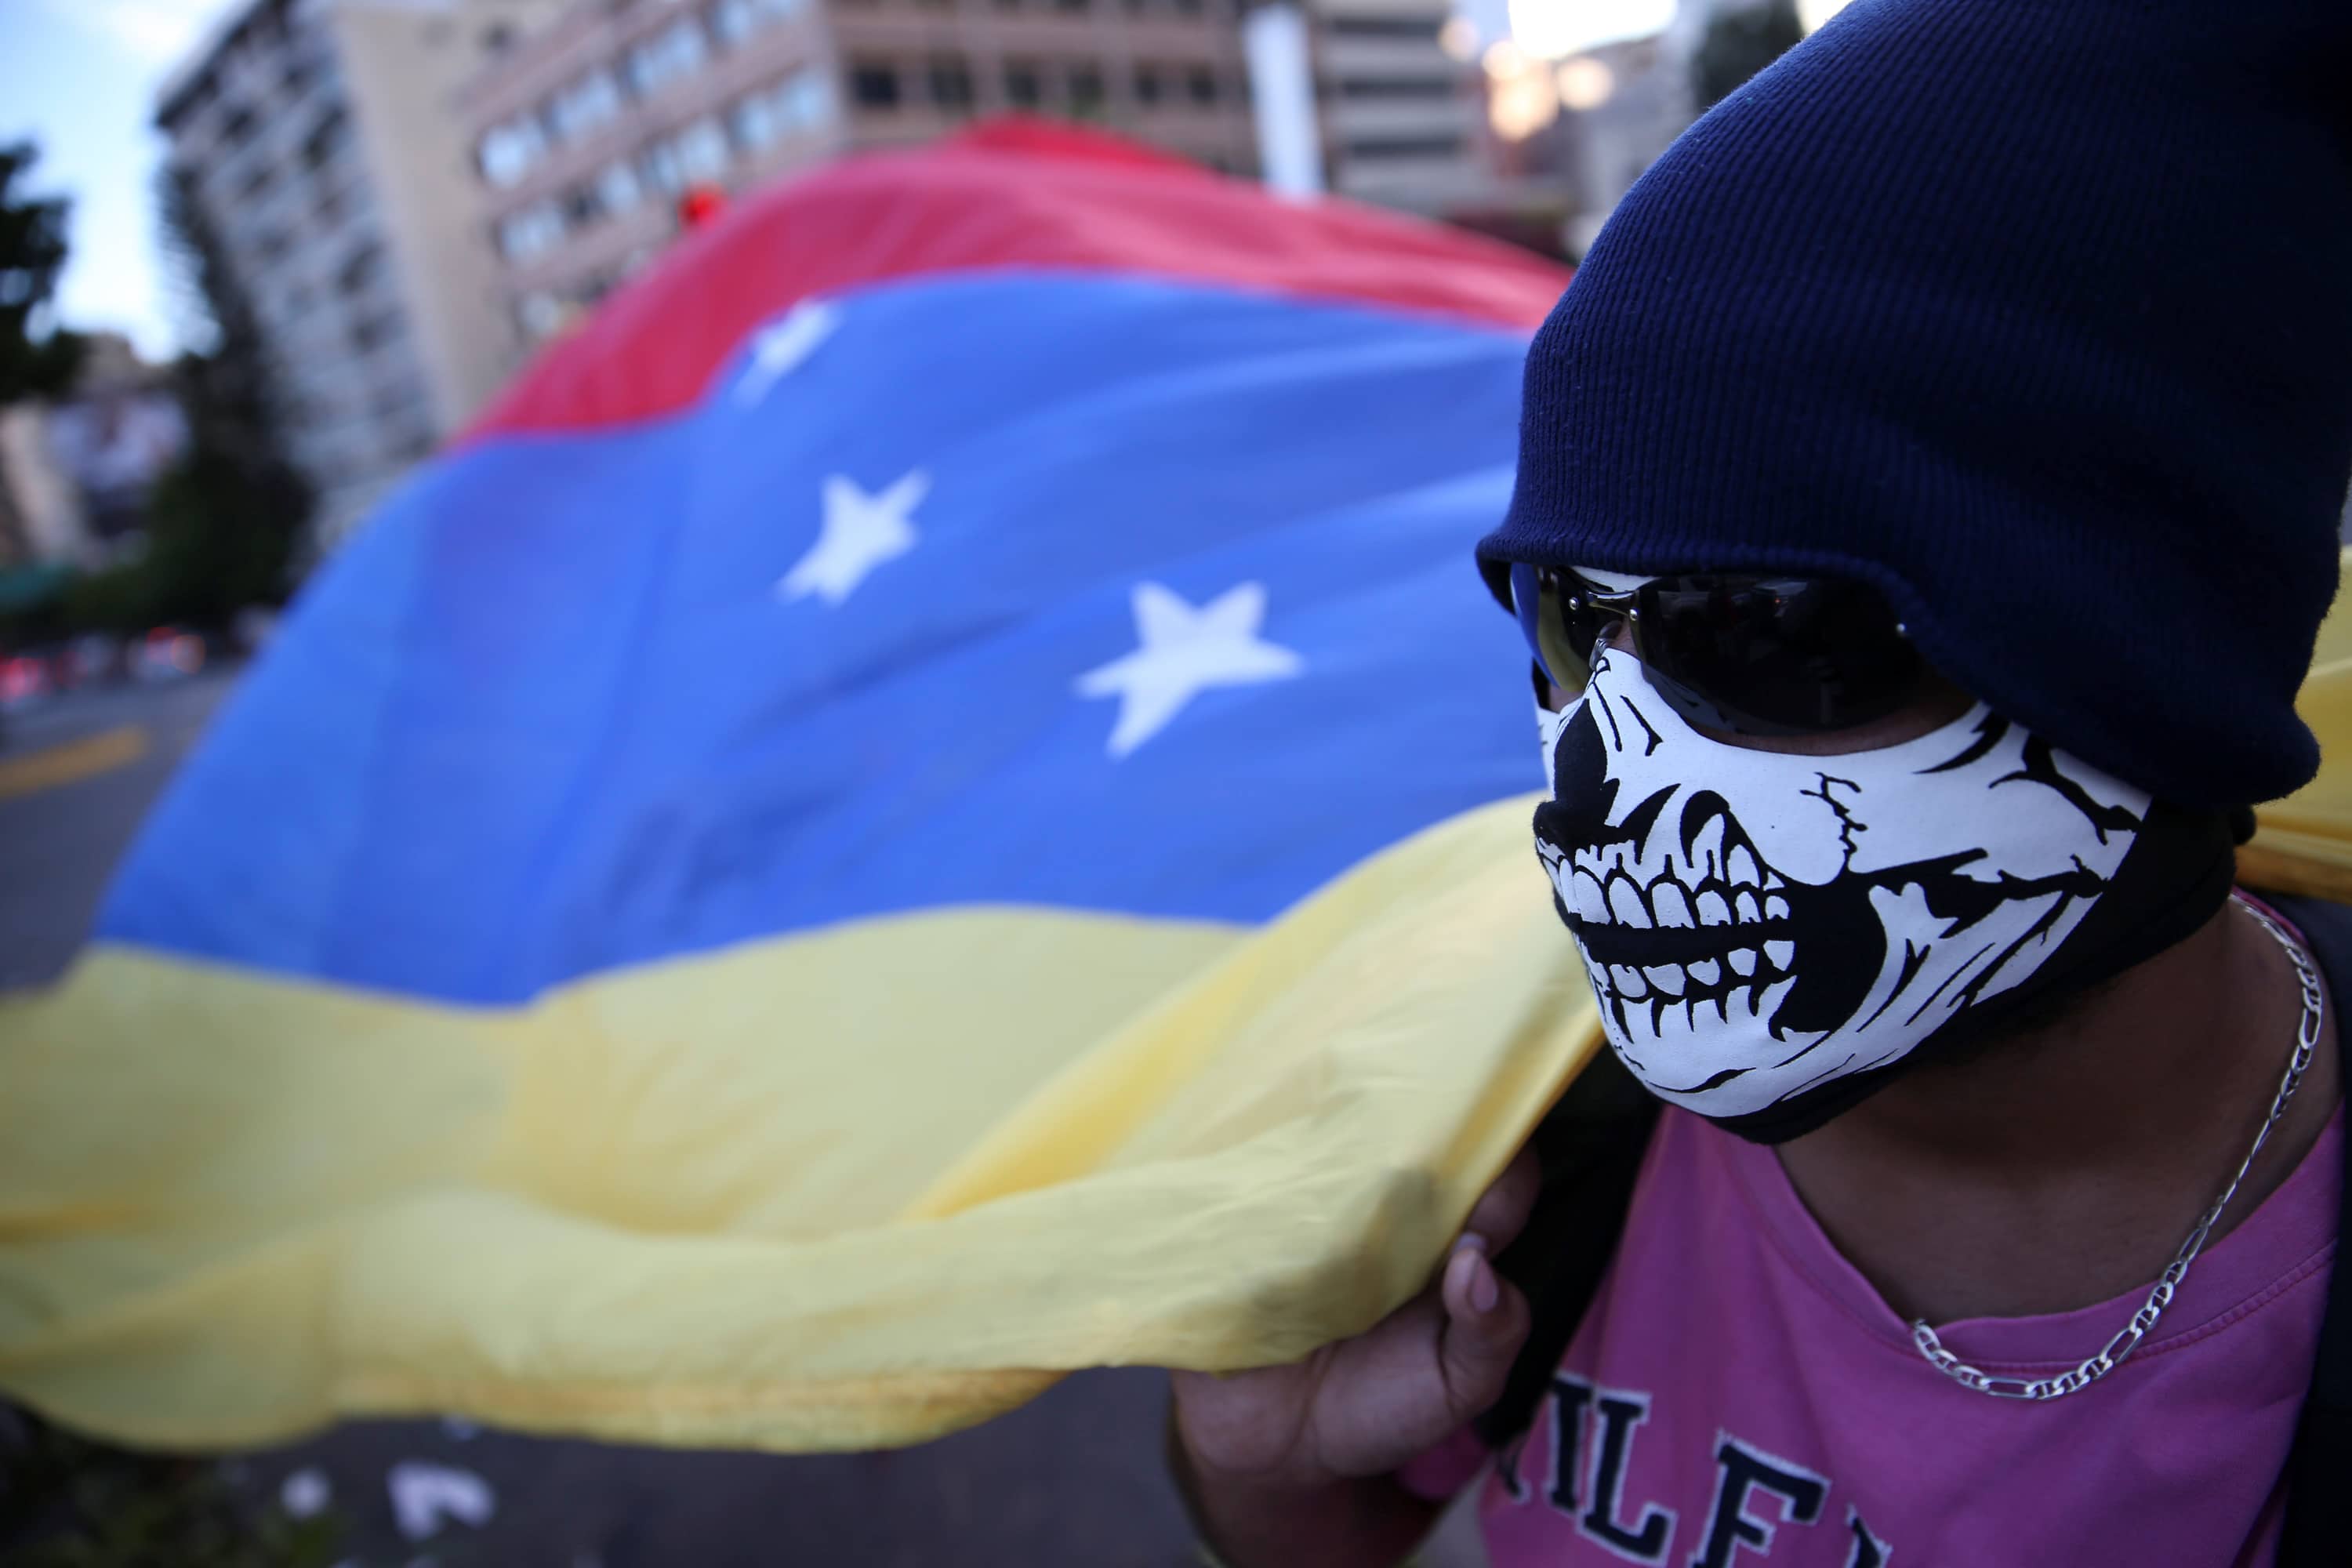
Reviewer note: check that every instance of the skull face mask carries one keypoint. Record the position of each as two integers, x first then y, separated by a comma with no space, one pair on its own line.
1768,932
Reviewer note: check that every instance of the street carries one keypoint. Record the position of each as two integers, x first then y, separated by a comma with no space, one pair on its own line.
1072,1481
75,777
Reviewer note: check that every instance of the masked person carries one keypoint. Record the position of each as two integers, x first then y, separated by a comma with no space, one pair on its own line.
1927,502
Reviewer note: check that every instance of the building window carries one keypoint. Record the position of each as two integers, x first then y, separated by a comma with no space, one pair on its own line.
736,19
508,152
669,55
662,171
371,333
732,21
1423,28
1085,85
951,85
530,232
698,152
365,266
702,151
325,139
753,122
1072,5
393,401
1429,88
1201,84
1376,147
237,130
874,86
617,189
1024,85
592,101
1151,85
805,101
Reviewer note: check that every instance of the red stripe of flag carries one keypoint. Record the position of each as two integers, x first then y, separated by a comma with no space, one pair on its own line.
1009,193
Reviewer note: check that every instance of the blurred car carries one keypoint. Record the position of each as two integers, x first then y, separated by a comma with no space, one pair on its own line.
94,658
24,679
168,653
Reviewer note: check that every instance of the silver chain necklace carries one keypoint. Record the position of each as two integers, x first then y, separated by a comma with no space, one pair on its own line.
2127,1339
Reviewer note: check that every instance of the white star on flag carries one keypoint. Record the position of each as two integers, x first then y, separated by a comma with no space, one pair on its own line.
860,532
1184,652
782,345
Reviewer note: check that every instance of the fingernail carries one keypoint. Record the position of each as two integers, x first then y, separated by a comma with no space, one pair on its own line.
1469,1241
1483,1291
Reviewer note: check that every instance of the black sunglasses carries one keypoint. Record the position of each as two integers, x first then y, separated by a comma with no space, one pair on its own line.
1750,654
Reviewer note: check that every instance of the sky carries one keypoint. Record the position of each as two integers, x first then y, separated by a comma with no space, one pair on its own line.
79,76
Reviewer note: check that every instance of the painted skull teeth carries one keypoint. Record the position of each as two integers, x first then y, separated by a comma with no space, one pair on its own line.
1756,922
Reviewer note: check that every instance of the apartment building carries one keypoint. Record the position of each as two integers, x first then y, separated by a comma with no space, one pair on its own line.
1626,103
588,133
1400,115
321,139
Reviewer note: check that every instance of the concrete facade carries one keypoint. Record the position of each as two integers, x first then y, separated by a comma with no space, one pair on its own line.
1400,116
324,145
587,134
1611,144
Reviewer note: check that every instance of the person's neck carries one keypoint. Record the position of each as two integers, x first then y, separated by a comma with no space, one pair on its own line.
2056,1170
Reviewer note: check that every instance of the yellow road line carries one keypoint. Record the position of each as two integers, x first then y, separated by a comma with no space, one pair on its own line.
72,761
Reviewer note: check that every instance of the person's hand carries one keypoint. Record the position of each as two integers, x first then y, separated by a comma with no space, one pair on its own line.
1366,1405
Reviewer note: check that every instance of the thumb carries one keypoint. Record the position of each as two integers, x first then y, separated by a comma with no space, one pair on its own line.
1487,1322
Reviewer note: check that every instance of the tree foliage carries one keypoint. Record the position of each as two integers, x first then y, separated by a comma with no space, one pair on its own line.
1739,45
35,360
225,525
66,1502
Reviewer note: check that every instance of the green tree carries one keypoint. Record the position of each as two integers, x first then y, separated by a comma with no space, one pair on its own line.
225,523
1739,45
36,359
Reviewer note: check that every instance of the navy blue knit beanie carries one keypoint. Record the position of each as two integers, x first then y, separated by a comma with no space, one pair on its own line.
2035,313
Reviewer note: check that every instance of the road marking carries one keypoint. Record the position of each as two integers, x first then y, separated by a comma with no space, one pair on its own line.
56,766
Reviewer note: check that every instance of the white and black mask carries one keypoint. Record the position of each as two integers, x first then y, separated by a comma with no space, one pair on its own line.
1759,926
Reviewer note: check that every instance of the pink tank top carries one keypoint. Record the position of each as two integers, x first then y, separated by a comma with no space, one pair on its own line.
1738,1395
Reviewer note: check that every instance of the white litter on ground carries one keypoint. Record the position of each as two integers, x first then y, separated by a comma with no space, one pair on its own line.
306,1492
426,1496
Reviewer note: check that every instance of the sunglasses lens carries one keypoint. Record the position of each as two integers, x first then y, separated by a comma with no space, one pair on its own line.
1559,634
1780,654
1755,655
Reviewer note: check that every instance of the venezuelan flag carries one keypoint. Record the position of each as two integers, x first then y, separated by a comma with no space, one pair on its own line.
926,804
839,856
